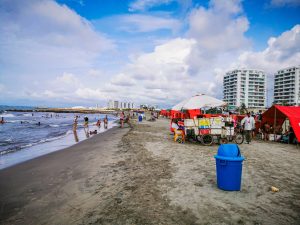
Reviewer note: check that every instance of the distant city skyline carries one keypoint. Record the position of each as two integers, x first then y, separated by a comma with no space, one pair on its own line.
85,52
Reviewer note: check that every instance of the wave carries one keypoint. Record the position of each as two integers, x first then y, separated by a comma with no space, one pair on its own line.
54,125
44,140
27,114
7,115
10,150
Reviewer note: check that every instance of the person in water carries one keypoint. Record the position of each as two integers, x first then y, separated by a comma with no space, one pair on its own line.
2,120
86,121
75,123
98,124
93,132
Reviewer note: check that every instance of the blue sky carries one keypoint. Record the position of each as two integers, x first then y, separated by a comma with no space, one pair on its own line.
85,52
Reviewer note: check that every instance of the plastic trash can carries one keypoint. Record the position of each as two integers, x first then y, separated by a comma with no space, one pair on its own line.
140,118
229,163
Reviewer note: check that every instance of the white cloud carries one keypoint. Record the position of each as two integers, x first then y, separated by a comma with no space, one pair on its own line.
89,93
2,88
280,3
147,23
140,23
142,5
282,51
68,79
122,80
182,67
219,31
34,36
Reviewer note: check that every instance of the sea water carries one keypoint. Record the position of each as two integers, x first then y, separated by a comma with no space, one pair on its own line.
27,135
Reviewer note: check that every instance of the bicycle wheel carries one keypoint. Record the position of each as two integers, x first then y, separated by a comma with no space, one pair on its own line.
239,139
207,139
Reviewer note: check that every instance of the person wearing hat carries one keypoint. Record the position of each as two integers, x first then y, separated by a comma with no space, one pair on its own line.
248,124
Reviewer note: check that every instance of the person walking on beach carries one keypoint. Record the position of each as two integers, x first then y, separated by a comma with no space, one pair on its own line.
122,119
248,124
75,123
105,121
127,120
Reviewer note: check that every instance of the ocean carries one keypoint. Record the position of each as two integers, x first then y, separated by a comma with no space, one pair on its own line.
26,135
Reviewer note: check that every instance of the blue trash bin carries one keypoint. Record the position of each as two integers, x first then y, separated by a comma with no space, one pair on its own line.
140,118
229,163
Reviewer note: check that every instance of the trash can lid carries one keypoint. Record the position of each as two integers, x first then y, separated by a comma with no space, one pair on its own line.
239,158
229,150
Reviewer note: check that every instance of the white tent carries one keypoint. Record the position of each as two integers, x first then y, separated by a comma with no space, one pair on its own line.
198,102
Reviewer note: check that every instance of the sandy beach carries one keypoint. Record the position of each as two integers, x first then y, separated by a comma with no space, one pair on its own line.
140,176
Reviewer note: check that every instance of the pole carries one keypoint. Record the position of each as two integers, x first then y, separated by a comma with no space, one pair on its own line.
274,124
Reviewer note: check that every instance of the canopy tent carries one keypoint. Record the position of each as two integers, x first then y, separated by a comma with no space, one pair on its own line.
198,102
277,114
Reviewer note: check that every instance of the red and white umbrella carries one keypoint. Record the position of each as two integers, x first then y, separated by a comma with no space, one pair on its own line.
198,102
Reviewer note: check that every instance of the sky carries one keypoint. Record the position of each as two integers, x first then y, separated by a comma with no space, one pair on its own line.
159,52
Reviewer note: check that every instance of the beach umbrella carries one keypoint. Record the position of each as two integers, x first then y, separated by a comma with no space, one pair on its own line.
198,102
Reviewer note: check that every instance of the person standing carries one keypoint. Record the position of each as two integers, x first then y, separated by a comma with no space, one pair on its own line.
98,124
248,124
105,121
75,123
86,122
122,116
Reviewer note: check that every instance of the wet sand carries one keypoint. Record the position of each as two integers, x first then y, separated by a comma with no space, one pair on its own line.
140,176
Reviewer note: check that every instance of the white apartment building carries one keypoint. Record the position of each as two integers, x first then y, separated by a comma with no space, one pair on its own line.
287,86
245,86
112,104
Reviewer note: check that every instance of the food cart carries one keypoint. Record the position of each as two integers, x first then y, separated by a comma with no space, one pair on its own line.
212,130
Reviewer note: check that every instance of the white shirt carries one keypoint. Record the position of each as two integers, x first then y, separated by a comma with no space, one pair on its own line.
175,126
248,123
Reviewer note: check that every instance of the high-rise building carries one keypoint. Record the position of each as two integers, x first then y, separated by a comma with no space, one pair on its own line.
287,86
245,86
116,104
110,104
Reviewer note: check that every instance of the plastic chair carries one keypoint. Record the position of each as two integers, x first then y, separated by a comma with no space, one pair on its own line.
177,134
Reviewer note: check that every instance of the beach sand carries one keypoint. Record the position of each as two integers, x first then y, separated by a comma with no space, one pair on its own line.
140,176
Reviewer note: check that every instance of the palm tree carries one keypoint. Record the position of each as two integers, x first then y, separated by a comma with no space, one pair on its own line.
243,109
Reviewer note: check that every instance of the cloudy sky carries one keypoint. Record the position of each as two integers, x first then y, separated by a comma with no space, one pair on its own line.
84,52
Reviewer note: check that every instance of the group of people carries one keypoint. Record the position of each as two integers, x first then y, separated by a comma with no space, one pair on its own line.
124,119
86,126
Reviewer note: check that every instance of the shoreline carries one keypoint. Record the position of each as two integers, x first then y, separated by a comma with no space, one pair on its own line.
41,145
58,144
34,179
64,110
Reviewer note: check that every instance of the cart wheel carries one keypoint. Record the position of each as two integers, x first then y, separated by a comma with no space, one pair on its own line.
199,138
223,141
207,139
239,139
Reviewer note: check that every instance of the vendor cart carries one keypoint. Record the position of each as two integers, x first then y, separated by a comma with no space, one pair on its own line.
210,130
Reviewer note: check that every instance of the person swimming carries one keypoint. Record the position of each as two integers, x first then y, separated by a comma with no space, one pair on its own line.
93,132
